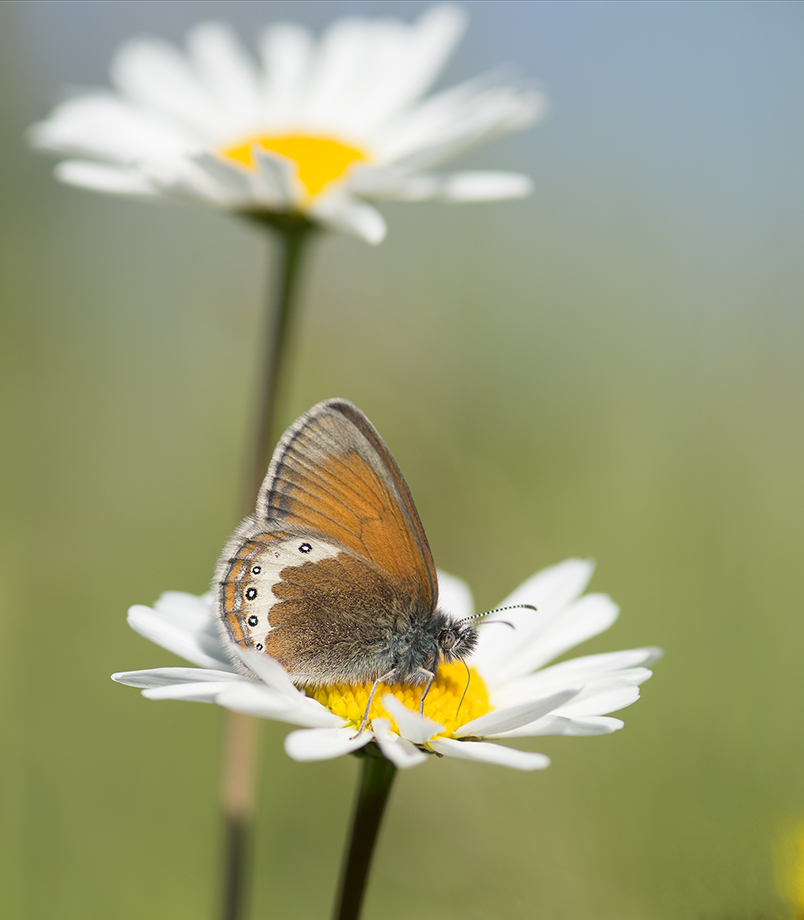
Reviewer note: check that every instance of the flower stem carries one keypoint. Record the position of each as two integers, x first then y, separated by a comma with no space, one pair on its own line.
237,796
376,778
293,232
240,731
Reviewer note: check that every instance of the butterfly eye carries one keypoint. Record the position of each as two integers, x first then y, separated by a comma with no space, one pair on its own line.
251,594
256,570
252,621
258,646
305,548
448,640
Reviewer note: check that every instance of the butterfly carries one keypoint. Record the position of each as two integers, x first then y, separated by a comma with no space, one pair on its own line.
332,575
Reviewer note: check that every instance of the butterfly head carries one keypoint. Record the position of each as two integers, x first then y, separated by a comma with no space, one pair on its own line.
456,640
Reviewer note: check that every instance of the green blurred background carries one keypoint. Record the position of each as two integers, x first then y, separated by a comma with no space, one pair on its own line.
612,368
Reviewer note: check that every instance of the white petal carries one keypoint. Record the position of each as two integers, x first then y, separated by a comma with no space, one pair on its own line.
342,212
398,750
590,667
234,184
414,727
553,587
163,677
371,75
194,179
482,122
100,177
197,647
190,610
454,596
202,692
527,688
268,670
276,182
432,40
587,617
550,591
602,699
587,670
459,118
228,73
465,186
286,49
484,752
258,700
570,727
157,77
339,66
369,70
101,126
503,720
324,743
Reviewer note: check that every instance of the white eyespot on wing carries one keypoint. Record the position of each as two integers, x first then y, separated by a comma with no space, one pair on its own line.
266,561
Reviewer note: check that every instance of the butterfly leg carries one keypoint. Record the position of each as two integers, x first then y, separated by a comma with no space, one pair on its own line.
430,678
376,684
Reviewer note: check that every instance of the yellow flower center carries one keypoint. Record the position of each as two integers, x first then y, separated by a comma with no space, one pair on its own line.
321,160
790,866
441,705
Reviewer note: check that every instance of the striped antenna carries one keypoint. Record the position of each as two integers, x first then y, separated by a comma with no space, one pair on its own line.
477,616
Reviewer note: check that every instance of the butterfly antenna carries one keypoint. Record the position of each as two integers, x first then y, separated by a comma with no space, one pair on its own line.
478,616
463,695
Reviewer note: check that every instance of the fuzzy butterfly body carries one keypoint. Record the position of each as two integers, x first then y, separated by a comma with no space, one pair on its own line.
333,576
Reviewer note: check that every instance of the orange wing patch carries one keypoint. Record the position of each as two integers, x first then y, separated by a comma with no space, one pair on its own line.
333,475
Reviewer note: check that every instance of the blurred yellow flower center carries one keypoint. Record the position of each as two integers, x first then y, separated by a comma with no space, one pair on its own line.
441,705
321,160
790,867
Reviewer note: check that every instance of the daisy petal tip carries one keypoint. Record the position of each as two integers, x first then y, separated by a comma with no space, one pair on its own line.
490,753
412,726
455,595
345,213
520,186
487,186
370,225
399,751
312,744
654,654
268,669
449,18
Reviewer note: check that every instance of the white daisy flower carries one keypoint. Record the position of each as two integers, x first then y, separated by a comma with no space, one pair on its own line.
316,128
510,692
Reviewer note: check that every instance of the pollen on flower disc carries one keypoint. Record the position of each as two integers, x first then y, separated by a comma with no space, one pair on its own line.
320,160
441,704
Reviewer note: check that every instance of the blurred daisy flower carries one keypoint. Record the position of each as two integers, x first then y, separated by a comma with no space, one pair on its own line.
789,864
510,693
312,128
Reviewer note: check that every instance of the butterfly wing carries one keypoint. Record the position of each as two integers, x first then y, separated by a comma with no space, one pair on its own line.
334,555
333,475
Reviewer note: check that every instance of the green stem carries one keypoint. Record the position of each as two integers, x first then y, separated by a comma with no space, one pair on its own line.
238,779
376,778
293,232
